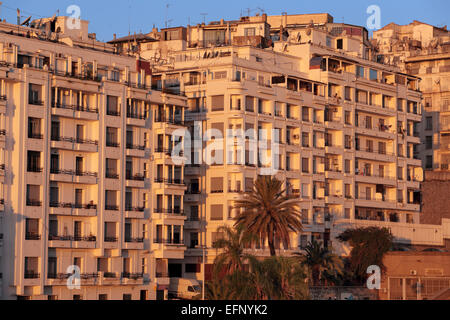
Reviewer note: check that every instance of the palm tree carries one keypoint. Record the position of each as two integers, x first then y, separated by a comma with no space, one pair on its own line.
233,244
321,263
269,213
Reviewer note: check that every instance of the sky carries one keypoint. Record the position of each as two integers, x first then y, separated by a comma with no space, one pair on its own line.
124,16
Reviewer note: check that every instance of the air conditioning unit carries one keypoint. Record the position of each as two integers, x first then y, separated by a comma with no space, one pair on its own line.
296,136
413,272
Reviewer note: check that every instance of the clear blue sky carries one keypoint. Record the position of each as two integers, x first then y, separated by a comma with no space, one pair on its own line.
109,17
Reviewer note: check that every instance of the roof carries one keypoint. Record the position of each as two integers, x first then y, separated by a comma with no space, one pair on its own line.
137,37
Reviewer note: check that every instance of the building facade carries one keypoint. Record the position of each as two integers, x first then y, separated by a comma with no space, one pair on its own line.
343,126
423,50
78,125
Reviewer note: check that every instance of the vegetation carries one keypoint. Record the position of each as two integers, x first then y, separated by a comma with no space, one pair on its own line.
268,213
275,278
232,257
324,267
369,245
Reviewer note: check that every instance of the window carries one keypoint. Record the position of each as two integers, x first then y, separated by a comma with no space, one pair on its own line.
348,142
429,142
111,200
32,229
112,106
400,173
373,75
305,190
217,185
348,192
305,165
305,114
429,123
127,296
429,162
359,72
368,122
102,297
34,195
112,139
348,117
34,128
217,212
217,103
305,140
220,75
339,44
192,268
249,32
34,161
348,93
347,165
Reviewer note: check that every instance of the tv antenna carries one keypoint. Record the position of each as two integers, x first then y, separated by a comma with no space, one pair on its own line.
167,22
204,17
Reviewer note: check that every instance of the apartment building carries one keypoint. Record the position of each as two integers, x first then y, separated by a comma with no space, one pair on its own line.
422,50
78,200
339,126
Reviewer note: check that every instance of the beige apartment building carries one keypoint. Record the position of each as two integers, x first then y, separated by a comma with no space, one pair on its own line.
423,50
78,124
101,168
345,124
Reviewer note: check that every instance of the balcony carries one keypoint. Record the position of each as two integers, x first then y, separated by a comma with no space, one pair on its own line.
36,136
111,239
134,119
76,144
3,101
170,212
134,240
70,209
72,238
134,212
75,111
71,176
110,275
169,248
137,151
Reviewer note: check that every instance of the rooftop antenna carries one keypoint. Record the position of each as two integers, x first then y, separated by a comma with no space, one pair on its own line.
167,14
1,6
204,17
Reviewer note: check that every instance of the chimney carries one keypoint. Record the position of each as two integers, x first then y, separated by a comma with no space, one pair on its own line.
115,36
18,17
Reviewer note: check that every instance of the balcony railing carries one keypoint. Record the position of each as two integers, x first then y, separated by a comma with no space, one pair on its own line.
32,236
111,174
174,211
161,274
111,239
112,144
74,108
113,113
132,115
134,240
73,173
35,169
110,275
36,136
111,208
31,275
36,102
34,203
136,177
55,204
134,209
133,276
73,238
168,241
131,146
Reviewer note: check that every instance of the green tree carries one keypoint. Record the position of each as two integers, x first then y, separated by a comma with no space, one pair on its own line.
232,245
369,245
268,213
322,264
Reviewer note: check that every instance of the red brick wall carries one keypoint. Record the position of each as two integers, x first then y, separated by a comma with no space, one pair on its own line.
435,197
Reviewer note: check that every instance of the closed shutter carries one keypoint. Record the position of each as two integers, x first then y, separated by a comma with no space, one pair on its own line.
217,212
217,103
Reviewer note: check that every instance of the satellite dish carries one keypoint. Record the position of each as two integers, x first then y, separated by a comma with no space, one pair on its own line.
27,21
